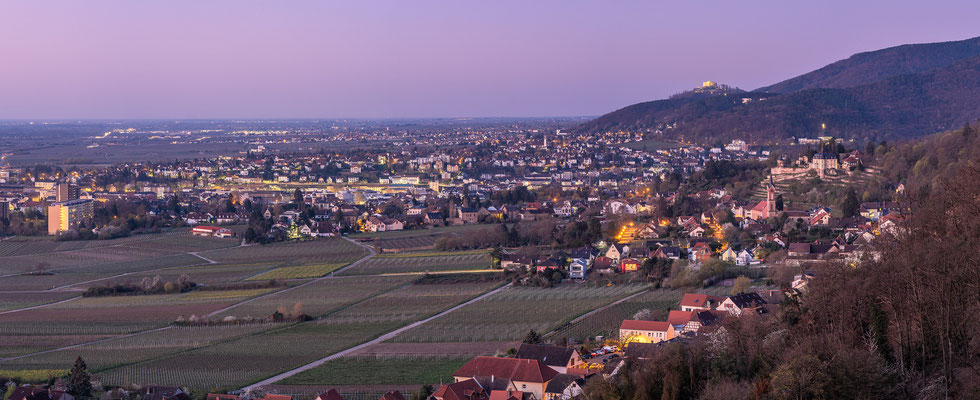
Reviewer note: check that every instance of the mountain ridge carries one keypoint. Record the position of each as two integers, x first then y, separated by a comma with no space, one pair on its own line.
890,105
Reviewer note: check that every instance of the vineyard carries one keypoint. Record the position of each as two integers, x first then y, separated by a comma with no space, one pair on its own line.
134,339
111,353
268,353
10,301
401,263
298,272
318,298
510,314
328,251
416,239
372,370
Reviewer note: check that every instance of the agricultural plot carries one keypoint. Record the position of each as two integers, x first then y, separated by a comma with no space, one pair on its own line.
411,242
75,276
22,338
402,263
133,349
371,370
43,245
77,321
12,301
90,318
324,251
319,297
248,359
417,239
297,272
251,358
207,274
510,314
188,243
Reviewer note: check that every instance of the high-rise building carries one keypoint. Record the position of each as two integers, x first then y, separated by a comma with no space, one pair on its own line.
4,209
67,192
65,215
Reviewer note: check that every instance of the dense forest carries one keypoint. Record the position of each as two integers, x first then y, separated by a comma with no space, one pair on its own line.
923,164
901,325
873,66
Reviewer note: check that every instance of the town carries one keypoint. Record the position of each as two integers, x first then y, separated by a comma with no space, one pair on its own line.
508,200
712,233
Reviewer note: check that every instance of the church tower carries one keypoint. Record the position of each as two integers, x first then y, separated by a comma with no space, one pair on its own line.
770,198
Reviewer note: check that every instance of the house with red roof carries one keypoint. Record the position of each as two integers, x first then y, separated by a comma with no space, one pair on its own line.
35,393
331,394
700,302
530,376
679,319
629,265
700,252
395,395
468,389
632,330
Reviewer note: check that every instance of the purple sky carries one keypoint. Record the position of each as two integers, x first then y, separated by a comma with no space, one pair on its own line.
367,58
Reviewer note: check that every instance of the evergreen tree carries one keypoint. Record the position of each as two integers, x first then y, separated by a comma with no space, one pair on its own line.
424,392
532,337
298,197
79,382
779,202
850,206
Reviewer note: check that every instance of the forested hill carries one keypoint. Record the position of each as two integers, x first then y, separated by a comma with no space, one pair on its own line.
901,106
873,66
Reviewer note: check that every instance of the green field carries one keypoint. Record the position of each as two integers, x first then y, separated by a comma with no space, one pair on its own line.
425,262
371,370
298,272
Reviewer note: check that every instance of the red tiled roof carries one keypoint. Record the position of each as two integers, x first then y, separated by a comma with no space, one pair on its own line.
463,390
330,395
506,395
677,317
636,325
698,300
396,395
507,368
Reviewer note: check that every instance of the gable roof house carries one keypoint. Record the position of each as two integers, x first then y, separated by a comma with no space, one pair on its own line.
468,389
743,302
645,331
35,393
700,302
671,252
617,250
558,358
525,375
564,387
394,395
331,394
